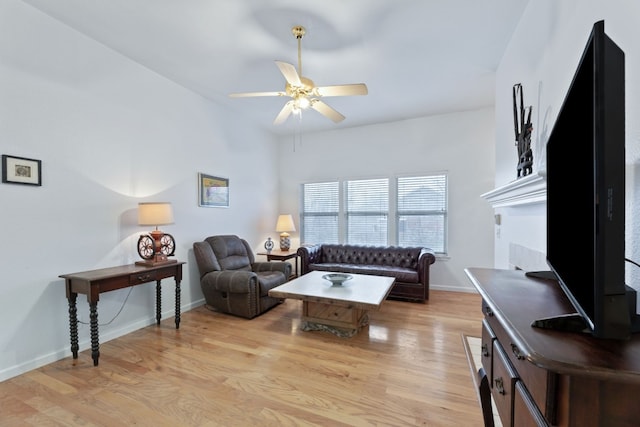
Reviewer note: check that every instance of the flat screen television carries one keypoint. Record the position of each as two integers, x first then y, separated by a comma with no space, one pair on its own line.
586,195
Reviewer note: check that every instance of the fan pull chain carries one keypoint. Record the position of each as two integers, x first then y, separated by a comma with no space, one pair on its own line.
299,32
299,56
297,134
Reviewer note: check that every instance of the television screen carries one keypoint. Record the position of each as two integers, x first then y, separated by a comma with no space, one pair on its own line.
586,190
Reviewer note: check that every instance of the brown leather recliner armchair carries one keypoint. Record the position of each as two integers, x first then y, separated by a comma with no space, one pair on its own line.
232,281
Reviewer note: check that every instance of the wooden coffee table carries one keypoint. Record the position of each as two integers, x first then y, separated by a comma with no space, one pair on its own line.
341,310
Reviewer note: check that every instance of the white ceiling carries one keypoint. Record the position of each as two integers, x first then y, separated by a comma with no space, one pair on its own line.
417,57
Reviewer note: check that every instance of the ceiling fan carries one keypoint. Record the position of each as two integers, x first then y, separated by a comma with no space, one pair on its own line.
303,92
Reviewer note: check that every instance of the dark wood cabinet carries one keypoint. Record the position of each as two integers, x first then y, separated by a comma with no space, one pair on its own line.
540,377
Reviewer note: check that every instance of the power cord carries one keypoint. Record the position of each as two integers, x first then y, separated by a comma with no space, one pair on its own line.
116,315
632,262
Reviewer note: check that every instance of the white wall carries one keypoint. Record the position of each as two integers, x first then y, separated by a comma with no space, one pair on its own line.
543,55
461,144
110,133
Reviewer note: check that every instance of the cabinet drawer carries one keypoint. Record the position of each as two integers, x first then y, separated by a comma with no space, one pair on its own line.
143,277
541,383
503,384
525,411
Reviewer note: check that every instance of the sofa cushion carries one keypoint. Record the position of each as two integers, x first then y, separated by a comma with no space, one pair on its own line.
401,274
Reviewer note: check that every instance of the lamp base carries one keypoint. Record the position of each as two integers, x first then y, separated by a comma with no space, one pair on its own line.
285,243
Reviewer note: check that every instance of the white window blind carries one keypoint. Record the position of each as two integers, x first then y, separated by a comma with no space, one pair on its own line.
421,213
357,212
367,209
320,210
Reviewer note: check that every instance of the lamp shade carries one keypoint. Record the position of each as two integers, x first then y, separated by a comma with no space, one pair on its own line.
285,223
155,213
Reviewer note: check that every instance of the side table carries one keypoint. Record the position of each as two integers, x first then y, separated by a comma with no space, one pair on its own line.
94,282
279,255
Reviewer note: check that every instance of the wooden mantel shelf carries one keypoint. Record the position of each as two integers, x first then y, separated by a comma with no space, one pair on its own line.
526,190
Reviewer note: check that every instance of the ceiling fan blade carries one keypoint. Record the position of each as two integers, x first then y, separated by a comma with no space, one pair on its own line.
343,90
289,72
284,113
327,111
247,94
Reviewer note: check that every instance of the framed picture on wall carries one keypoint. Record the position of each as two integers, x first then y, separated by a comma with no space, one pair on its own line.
213,191
18,170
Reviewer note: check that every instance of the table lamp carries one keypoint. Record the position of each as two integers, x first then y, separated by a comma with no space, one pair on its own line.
284,225
155,247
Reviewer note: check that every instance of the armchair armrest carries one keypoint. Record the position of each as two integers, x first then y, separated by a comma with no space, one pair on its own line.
310,254
281,266
231,281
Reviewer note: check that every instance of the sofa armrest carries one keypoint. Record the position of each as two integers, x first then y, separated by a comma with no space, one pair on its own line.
425,259
427,255
283,267
309,254
231,281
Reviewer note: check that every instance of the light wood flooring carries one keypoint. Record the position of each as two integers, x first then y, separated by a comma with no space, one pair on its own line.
407,368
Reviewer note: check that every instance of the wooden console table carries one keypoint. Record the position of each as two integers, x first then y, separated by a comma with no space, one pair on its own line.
541,377
94,282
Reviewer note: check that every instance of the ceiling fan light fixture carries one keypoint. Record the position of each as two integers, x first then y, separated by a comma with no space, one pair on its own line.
303,92
303,103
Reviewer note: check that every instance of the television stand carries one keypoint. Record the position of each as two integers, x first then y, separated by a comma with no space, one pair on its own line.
545,274
572,322
539,377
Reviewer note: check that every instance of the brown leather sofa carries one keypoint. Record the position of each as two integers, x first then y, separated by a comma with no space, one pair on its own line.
409,265
232,281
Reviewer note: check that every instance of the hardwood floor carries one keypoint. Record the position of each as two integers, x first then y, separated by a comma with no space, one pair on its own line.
408,367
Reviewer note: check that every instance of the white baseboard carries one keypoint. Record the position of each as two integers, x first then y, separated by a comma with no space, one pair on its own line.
45,359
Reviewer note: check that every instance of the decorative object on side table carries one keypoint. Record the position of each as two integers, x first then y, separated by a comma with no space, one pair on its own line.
18,170
155,247
268,245
283,226
523,131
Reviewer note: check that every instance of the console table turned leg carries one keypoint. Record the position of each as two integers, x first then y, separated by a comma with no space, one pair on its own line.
73,324
158,301
177,304
95,344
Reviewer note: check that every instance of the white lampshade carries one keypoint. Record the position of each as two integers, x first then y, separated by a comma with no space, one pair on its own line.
155,213
285,223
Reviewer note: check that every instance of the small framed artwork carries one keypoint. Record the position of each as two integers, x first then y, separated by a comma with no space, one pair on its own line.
18,170
213,191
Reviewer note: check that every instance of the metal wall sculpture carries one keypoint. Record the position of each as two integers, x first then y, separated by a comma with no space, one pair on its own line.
523,129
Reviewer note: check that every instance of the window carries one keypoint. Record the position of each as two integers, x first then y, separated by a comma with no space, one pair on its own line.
413,212
319,213
367,206
421,214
